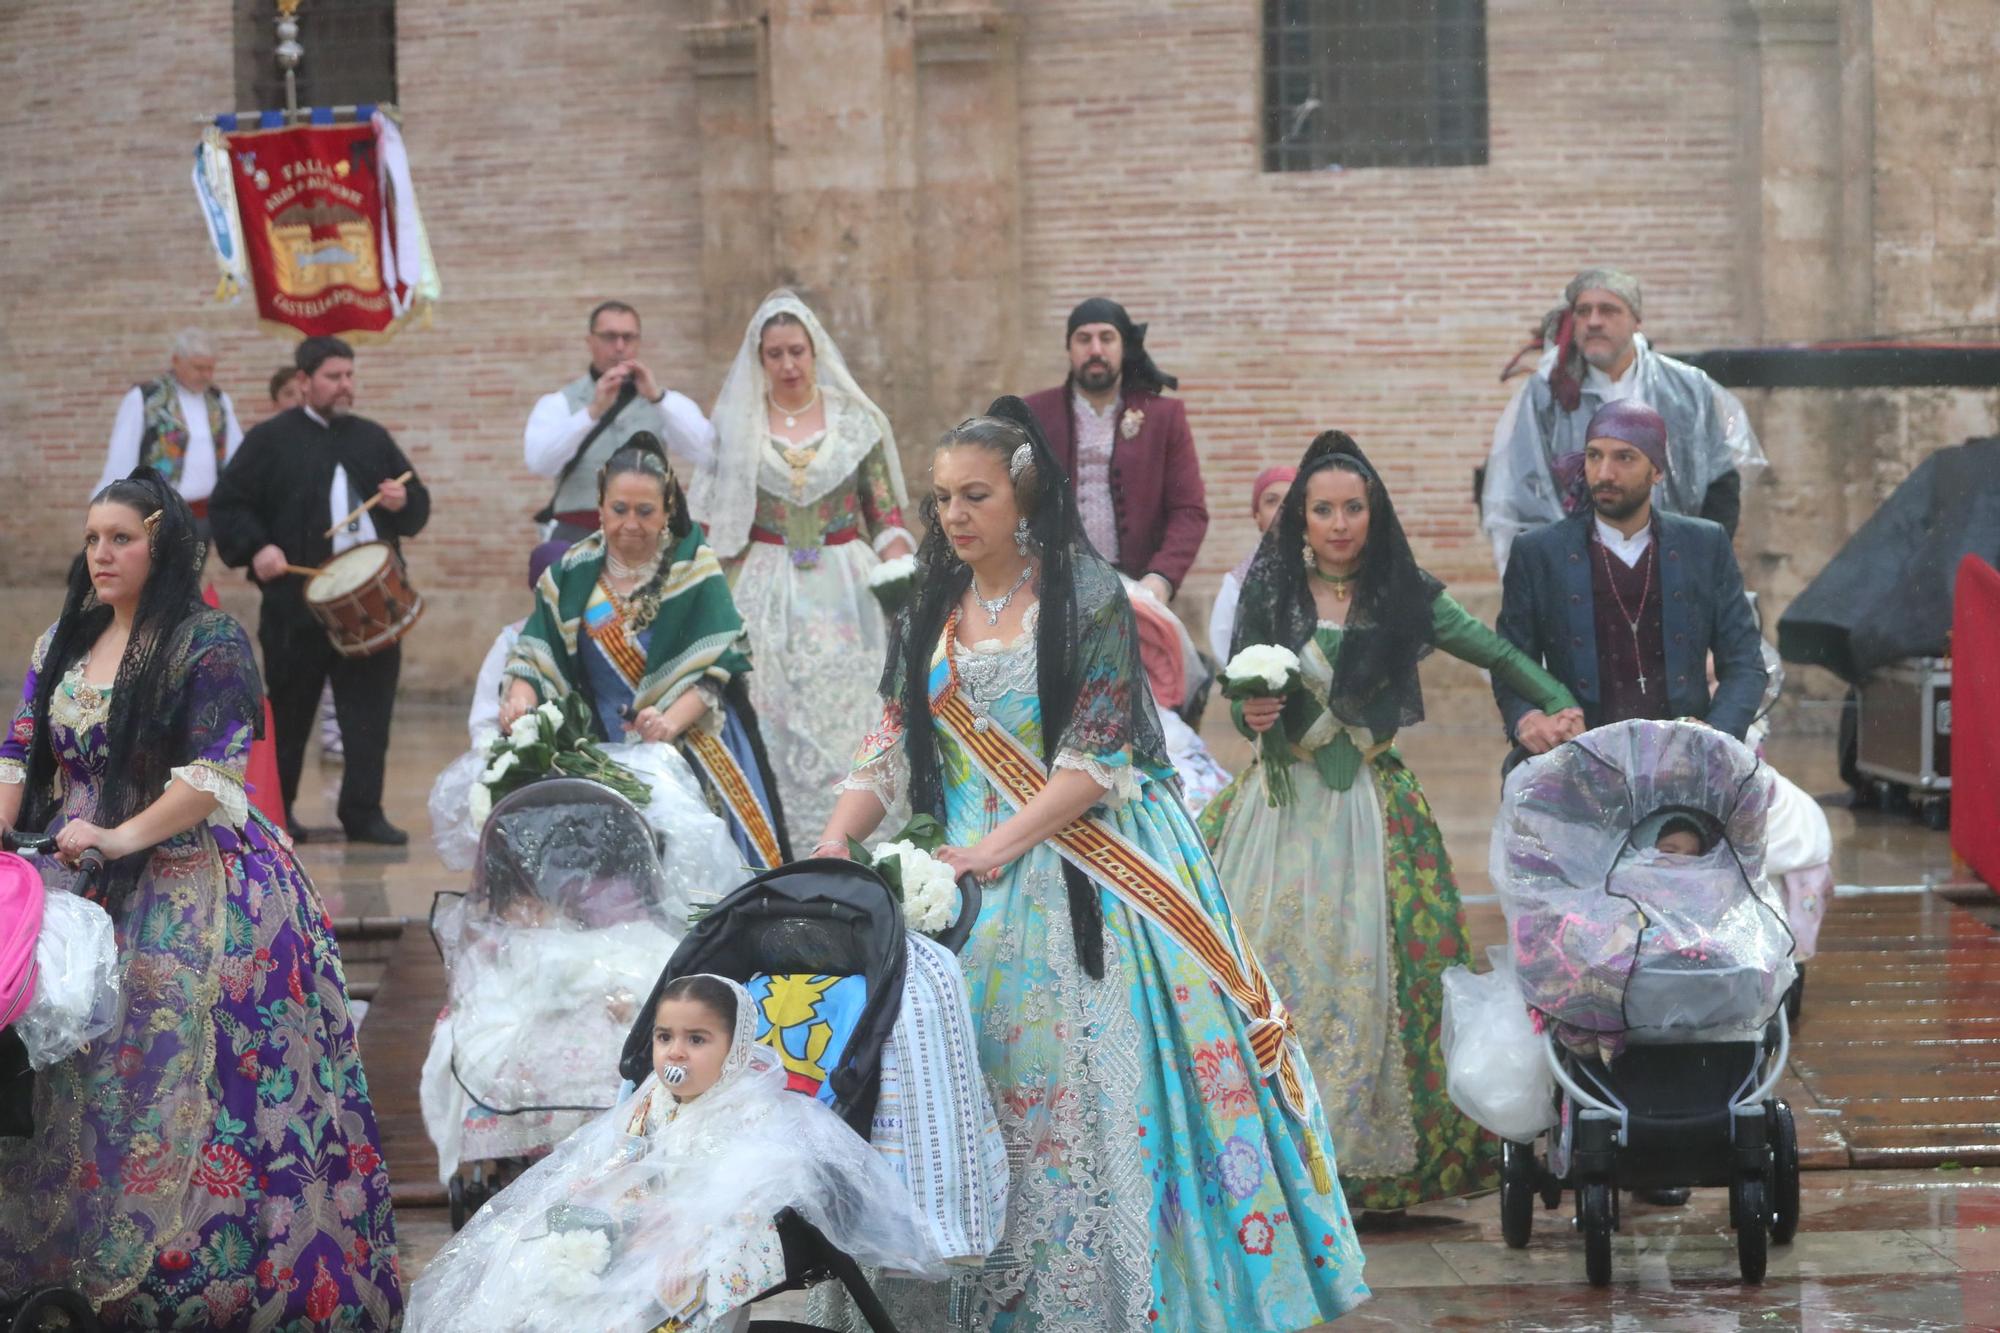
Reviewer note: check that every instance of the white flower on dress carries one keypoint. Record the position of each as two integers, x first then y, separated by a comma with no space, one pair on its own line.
1269,663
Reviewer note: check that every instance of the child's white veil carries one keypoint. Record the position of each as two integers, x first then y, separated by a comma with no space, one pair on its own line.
659,1209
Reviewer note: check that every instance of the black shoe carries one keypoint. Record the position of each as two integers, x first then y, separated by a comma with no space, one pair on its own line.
378,829
297,831
1674,1197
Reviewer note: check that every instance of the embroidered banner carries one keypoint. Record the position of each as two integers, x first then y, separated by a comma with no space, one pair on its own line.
320,227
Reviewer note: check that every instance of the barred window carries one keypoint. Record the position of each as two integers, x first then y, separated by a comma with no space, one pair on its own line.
1374,83
350,54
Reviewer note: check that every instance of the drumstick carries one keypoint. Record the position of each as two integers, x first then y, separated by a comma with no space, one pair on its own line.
303,571
364,507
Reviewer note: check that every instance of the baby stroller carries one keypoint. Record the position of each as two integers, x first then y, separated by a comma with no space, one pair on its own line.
51,1307
561,932
817,921
1658,978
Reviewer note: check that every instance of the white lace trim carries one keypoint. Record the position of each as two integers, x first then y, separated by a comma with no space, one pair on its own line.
713,716
232,804
889,534
13,772
886,777
1120,781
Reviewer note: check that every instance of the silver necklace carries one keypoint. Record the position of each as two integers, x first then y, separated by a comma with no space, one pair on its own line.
993,606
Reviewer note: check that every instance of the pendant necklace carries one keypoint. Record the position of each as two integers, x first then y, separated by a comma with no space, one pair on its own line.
993,606
1631,621
1343,584
792,414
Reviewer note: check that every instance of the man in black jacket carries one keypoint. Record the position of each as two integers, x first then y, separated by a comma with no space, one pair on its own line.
296,474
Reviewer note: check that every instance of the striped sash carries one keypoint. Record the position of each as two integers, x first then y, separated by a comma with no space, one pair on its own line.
1096,847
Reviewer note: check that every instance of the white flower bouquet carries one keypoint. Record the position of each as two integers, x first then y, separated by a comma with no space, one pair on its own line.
553,740
924,885
1266,670
892,582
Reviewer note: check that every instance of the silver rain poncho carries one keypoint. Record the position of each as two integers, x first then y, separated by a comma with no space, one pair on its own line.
1708,435
1611,936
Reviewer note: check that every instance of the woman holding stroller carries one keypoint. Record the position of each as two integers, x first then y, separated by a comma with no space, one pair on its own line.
1166,1140
637,617
212,1162
1340,875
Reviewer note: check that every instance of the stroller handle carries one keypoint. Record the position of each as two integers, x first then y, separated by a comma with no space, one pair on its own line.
969,897
91,863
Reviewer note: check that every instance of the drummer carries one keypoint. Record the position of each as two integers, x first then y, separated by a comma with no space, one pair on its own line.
296,474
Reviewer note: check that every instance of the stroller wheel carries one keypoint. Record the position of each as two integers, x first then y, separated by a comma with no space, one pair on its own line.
1551,1186
1753,1228
1784,1173
1594,1213
1517,1193
455,1199
55,1308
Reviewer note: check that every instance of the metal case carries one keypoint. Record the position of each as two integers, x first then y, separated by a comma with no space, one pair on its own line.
1905,725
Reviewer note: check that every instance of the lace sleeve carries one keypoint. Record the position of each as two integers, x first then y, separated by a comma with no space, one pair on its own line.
880,766
1114,773
232,804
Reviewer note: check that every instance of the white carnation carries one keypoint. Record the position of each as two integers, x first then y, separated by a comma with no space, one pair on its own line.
527,728
930,891
551,713
893,571
1266,662
566,1262
498,768
481,800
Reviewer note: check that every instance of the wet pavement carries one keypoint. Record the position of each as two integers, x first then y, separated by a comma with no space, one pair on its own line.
1895,1077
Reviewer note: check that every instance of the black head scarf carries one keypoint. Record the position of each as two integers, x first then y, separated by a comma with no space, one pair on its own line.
148,729
1388,629
1092,687
1138,372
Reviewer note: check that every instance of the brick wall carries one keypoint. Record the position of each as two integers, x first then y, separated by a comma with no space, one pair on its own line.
557,164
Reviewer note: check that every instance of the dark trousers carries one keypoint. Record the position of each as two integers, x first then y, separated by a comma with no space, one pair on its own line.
298,662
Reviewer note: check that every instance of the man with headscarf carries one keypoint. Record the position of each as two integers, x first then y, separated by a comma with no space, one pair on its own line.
179,424
1623,602
573,430
1127,449
1595,355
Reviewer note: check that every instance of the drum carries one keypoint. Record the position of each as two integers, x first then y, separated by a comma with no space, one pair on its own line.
364,599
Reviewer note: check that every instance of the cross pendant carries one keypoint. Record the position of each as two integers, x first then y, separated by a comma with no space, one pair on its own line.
1638,660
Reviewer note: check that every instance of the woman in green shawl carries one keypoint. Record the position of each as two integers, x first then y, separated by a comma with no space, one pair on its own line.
637,618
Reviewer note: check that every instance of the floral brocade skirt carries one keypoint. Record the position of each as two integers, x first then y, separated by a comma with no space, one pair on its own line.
1348,899
213,1162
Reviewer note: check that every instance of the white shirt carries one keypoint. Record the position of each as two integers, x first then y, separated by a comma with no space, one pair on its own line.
1610,390
1095,434
1222,617
1628,549
554,432
340,503
483,723
197,479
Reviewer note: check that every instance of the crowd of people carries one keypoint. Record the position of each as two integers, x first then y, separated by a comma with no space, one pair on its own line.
1209,1043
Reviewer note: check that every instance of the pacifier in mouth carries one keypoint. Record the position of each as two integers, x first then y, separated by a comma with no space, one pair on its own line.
673,1075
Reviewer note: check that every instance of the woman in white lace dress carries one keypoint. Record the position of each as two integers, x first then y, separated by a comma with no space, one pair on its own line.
804,500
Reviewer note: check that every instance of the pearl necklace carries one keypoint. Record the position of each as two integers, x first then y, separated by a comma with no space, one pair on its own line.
792,414
640,573
993,606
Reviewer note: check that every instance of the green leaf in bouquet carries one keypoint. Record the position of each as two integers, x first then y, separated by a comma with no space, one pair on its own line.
924,831
858,854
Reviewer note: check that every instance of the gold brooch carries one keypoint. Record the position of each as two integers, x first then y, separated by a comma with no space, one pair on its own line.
1129,424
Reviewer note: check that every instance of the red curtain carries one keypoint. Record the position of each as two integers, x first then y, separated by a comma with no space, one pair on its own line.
1975,719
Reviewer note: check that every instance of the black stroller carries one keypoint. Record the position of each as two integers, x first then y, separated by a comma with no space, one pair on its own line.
53,1307
1661,977
829,918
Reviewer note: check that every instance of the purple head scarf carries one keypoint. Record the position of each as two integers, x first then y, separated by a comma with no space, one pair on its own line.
1633,423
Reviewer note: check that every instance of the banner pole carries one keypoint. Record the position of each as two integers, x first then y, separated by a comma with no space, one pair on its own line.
289,51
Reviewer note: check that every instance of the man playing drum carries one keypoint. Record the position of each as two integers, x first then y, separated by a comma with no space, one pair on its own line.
299,473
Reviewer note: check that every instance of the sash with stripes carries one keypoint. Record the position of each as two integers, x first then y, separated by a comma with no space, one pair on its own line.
1096,847
604,621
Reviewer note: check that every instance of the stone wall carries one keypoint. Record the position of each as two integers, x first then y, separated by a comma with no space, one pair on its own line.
946,180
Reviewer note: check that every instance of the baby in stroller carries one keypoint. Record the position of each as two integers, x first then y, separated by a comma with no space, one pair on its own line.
547,956
663,1211
1652,951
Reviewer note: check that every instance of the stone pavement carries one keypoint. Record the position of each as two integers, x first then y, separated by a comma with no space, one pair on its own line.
1895,1077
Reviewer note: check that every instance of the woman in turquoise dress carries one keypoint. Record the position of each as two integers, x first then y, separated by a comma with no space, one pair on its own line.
1166,1144
1340,879
637,617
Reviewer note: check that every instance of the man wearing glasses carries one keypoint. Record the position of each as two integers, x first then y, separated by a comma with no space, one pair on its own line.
573,430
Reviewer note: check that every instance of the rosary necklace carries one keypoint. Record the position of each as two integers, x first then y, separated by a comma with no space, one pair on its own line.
993,606
792,414
1343,584
1631,621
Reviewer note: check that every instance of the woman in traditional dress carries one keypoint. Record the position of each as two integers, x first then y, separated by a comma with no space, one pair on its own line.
212,1162
1344,890
1165,1138
637,618
803,501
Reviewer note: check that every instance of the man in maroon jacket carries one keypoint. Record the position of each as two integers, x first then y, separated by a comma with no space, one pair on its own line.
1127,449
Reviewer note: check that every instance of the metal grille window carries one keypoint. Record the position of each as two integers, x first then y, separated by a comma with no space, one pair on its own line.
350,53
1374,83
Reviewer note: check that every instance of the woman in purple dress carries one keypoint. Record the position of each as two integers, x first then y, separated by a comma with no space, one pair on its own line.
212,1161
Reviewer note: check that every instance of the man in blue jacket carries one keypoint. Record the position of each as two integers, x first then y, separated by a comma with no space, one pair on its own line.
1623,603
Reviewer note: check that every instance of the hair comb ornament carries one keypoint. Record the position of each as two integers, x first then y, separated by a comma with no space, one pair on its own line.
152,522
1023,459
